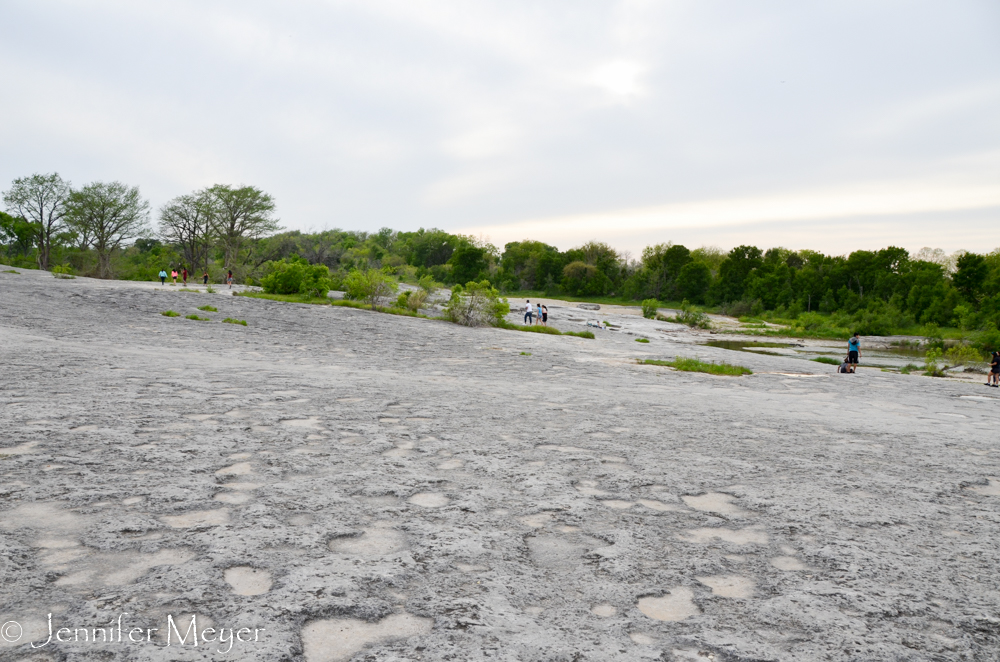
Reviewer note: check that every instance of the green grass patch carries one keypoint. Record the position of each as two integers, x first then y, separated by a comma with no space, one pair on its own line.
642,339
694,365
170,313
187,289
197,319
827,360
208,309
525,353
548,330
230,320
11,271
289,298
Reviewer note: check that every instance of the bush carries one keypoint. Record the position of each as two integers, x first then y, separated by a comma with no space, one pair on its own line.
62,271
372,286
417,299
403,300
170,313
230,320
649,307
931,368
295,275
689,315
477,304
963,355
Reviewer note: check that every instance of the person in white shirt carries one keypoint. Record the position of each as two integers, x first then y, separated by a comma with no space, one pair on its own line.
527,312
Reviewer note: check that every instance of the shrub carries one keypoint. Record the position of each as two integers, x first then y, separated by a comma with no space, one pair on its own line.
417,299
931,368
908,368
62,271
402,301
695,365
209,309
170,313
230,320
642,340
295,275
372,286
477,304
690,316
963,355
197,319
649,308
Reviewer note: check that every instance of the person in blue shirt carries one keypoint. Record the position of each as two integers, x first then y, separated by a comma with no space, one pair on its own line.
854,351
163,277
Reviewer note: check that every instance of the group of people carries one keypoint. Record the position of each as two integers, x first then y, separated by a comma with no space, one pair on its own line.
183,275
993,378
850,364
537,314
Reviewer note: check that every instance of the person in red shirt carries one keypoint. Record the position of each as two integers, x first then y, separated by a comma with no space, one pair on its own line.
185,274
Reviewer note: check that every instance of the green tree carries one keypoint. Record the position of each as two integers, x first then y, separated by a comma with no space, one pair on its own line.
735,270
970,275
41,201
17,234
238,215
694,280
477,304
112,214
468,263
296,276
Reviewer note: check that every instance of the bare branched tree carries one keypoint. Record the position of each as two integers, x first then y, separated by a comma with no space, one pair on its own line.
111,214
40,200
186,220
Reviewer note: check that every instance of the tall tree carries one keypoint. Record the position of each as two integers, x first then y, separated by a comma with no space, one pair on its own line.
186,220
240,214
40,200
110,213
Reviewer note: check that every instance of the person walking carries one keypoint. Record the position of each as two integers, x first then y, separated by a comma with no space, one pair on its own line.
173,274
545,316
854,351
163,277
527,311
204,278
184,273
229,278
993,378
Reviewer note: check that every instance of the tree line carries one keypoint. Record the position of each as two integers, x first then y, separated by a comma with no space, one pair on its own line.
104,229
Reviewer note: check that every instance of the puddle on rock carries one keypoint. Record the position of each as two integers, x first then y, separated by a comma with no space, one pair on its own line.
449,465
338,639
238,469
429,500
675,606
729,586
787,563
378,540
248,581
737,537
713,502
604,611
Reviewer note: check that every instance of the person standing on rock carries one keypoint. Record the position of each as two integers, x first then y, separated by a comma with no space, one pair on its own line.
229,278
538,313
163,277
545,315
204,278
527,311
854,351
184,273
173,274
993,379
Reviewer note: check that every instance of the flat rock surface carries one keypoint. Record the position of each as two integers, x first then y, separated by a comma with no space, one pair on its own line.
344,484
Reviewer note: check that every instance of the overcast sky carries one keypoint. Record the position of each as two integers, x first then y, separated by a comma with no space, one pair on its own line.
833,126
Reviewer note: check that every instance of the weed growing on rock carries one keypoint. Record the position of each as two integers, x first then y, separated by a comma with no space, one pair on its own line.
170,313
646,340
209,309
908,368
525,353
931,367
187,289
695,365
11,271
230,320
827,360
649,308
580,334
198,319
210,289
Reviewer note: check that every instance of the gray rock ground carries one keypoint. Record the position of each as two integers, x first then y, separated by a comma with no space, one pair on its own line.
388,488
